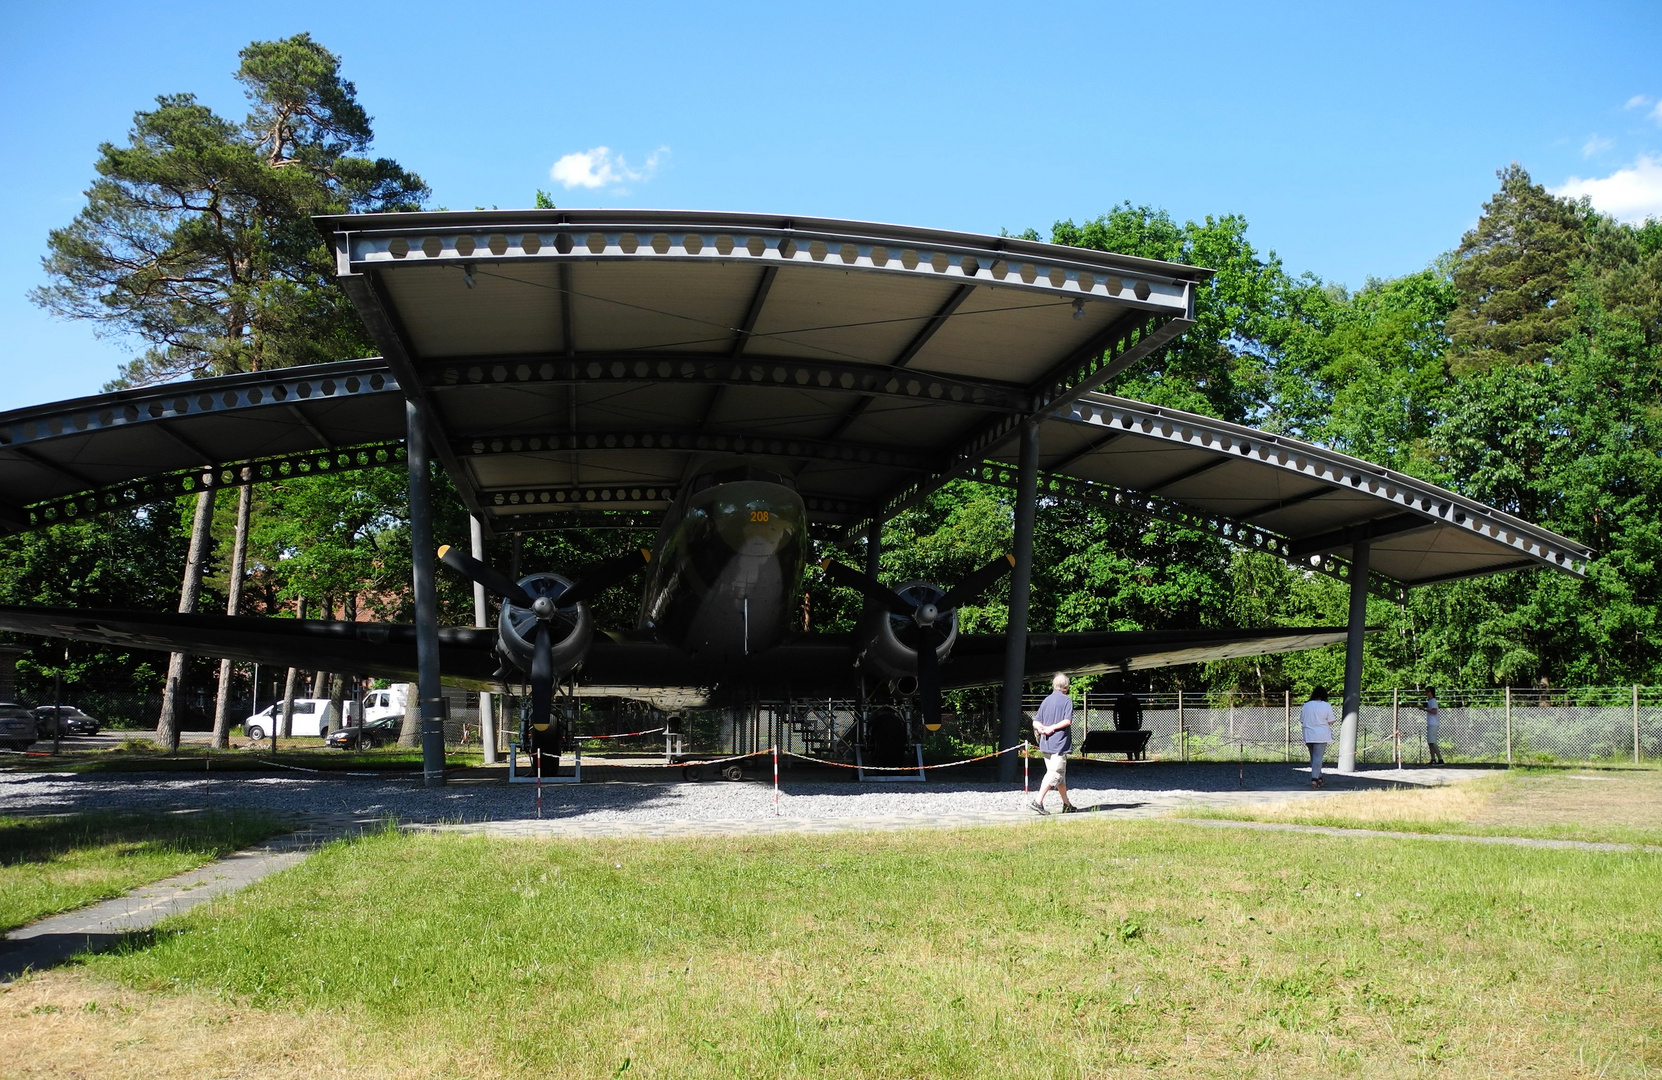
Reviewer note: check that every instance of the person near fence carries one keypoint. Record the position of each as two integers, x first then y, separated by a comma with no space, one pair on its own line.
1433,727
1053,727
1128,712
1317,719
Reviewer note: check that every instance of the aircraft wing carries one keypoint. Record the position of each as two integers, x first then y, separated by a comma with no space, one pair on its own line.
804,665
380,650
978,659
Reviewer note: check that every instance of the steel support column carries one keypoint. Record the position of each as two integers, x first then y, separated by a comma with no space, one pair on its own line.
481,617
1356,629
422,559
1021,583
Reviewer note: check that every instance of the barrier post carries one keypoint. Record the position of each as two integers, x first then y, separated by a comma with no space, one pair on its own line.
1287,723
776,780
1024,767
539,782
1509,725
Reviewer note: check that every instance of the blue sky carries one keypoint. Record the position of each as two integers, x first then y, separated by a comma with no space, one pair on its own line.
1357,139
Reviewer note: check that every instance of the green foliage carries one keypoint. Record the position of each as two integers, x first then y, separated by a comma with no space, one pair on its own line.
127,560
1511,271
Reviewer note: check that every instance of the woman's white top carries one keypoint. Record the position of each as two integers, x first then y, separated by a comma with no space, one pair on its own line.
1433,717
1317,718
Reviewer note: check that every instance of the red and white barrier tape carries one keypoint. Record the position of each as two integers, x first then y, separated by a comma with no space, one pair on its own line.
901,768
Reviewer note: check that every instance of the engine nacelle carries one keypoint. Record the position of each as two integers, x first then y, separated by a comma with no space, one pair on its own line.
573,627
891,641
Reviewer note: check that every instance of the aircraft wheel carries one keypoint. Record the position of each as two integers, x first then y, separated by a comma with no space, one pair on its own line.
733,772
692,772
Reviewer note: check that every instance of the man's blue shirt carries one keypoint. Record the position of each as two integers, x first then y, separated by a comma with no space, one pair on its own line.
1053,710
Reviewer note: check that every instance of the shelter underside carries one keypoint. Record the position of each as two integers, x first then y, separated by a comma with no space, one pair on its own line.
574,368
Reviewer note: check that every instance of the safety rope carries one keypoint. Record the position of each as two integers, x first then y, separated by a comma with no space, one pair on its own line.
900,768
336,772
625,735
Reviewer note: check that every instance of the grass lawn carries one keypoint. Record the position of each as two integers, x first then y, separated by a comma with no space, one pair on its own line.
1620,805
1063,949
54,864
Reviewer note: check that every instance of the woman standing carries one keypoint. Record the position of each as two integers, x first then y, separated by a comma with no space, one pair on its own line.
1317,718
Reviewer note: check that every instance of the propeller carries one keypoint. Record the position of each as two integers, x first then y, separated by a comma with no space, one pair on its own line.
925,615
546,605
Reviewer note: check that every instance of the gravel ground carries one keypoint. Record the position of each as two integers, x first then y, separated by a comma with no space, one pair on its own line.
613,796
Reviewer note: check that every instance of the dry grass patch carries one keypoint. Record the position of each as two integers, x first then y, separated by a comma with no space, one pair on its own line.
70,1025
1613,805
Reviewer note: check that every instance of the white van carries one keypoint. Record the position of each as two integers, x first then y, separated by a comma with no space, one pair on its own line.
311,717
392,701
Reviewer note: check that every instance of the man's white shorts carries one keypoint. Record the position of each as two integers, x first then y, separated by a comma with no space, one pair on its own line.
1056,768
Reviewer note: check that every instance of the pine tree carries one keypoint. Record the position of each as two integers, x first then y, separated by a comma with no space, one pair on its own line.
1512,275
196,238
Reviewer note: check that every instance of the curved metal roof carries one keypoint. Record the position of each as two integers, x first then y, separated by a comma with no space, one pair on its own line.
578,366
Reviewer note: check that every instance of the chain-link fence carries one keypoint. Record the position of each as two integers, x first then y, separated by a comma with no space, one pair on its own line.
1489,725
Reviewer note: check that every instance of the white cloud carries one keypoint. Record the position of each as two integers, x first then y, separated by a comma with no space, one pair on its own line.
1656,112
1636,101
600,167
1630,194
1596,144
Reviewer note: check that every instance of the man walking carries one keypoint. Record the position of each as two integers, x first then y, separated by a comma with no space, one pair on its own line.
1053,726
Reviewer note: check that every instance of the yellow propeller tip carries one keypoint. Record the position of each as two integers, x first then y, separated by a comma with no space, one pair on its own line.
1012,559
824,564
645,554
442,549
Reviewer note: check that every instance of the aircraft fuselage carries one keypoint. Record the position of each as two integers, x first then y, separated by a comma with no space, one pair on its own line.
727,568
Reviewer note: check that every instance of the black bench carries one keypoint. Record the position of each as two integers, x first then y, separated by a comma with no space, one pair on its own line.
1133,744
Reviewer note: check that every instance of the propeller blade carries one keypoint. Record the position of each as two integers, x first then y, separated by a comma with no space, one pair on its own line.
542,676
873,590
485,574
929,678
971,588
603,577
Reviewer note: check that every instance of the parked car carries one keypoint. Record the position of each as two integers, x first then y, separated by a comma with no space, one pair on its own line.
63,720
17,726
375,732
311,717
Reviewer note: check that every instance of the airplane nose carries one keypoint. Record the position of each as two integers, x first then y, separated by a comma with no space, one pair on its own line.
764,533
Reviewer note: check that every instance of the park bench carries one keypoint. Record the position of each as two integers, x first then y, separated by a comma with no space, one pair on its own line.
1133,744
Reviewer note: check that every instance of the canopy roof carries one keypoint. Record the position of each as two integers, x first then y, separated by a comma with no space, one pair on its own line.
576,367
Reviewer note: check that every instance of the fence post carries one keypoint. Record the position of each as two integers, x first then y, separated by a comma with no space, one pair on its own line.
1182,732
1287,724
1509,725
1396,724
1636,724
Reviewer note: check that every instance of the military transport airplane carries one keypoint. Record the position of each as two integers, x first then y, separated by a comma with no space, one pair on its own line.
723,575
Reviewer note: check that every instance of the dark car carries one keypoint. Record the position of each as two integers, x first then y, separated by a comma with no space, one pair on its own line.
74,721
375,733
17,726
